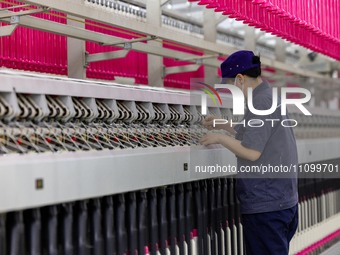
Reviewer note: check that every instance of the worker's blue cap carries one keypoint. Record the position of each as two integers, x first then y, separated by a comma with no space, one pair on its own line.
238,62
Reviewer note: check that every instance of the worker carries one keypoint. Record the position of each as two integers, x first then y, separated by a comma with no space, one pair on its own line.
268,201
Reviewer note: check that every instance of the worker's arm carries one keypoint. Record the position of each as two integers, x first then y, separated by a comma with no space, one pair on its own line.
232,144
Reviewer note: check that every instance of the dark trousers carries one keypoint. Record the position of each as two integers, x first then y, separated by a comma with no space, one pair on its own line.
269,233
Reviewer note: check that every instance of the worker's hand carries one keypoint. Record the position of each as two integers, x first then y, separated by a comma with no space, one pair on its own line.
211,138
208,122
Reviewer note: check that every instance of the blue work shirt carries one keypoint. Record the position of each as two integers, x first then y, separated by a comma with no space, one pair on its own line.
270,191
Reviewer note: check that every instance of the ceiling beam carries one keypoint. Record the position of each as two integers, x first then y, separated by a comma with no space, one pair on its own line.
164,2
87,12
180,69
4,15
7,30
95,57
221,19
104,39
